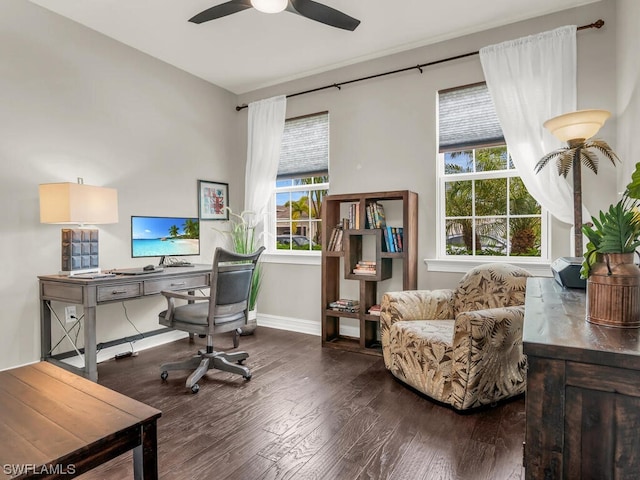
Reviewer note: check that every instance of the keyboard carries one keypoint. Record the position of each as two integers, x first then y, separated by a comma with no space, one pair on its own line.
178,264
135,271
94,275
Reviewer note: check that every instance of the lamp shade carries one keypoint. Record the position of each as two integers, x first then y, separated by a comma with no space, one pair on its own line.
582,124
76,203
269,6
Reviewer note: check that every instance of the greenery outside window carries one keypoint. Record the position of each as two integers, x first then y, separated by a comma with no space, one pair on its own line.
298,211
302,183
485,209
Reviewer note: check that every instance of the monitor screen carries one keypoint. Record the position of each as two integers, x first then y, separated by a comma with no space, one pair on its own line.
164,236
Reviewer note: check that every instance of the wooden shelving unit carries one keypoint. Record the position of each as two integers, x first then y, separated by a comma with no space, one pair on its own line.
354,240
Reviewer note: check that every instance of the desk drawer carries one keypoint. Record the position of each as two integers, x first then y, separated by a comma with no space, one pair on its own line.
62,293
107,293
152,287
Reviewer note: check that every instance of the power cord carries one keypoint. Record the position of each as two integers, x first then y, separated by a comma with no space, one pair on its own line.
131,342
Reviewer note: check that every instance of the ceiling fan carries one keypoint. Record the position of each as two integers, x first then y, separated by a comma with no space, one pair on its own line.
306,8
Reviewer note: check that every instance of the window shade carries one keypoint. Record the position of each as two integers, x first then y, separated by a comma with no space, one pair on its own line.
467,119
305,147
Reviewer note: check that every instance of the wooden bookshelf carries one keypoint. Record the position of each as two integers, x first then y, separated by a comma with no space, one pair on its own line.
338,266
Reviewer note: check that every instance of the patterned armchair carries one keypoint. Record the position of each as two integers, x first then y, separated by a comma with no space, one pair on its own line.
462,347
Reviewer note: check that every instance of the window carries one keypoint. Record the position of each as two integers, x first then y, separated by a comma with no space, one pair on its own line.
485,209
302,183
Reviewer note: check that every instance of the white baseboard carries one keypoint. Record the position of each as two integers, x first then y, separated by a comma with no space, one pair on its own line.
138,345
299,325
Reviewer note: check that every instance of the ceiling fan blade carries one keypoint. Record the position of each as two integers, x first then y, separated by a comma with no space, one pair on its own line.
323,14
222,10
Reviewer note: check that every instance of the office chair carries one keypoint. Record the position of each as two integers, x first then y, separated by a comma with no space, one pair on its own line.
224,310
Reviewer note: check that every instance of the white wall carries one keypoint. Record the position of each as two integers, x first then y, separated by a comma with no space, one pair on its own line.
74,103
628,82
383,136
77,104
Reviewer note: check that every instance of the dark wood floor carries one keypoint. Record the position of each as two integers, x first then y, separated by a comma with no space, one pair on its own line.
309,413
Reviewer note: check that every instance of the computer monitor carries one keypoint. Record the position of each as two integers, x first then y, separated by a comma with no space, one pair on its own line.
164,237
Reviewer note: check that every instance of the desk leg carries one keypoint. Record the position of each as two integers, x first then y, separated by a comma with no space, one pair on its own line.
45,329
90,347
145,455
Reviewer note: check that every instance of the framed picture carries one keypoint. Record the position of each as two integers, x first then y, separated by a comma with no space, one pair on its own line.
213,198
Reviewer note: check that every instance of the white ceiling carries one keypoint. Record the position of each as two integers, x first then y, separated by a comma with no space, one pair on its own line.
250,50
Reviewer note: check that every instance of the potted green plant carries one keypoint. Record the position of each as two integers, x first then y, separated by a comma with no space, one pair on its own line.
613,279
244,239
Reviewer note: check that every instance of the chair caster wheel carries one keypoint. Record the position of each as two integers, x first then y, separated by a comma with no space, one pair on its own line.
195,388
241,362
247,377
164,375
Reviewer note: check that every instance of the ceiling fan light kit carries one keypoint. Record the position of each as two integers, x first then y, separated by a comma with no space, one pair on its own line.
305,8
269,6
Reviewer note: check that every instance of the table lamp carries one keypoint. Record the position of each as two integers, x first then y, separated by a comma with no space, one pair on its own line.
577,128
78,204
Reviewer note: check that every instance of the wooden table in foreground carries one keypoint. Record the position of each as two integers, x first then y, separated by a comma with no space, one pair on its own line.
583,390
55,424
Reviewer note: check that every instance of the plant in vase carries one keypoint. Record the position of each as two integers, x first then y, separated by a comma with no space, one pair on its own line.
244,240
613,280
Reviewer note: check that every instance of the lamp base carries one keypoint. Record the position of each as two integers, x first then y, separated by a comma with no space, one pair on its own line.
79,250
566,271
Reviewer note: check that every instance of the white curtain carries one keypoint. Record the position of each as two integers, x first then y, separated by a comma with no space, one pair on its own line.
265,127
531,80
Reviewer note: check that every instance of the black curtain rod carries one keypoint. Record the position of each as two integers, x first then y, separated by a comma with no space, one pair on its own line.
596,24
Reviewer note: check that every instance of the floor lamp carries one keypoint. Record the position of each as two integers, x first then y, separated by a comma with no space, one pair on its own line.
576,129
78,204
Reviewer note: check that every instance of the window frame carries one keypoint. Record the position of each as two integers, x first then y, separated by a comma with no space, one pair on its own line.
272,253
441,244
273,220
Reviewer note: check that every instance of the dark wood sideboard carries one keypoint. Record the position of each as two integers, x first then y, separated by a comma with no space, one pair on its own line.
583,390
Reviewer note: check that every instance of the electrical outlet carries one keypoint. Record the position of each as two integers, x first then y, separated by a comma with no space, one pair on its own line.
70,313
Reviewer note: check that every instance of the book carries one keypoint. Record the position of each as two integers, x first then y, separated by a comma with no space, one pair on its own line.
380,218
363,271
345,305
370,215
365,267
381,222
388,235
374,310
338,245
335,240
345,302
399,238
394,239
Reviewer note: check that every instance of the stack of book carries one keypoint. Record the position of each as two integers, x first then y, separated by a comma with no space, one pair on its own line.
345,305
354,216
375,215
393,238
374,310
365,267
335,240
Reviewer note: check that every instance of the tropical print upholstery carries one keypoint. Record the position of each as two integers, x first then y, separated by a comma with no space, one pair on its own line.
463,346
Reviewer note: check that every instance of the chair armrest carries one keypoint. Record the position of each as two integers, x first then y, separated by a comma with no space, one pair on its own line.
171,296
183,296
488,362
411,305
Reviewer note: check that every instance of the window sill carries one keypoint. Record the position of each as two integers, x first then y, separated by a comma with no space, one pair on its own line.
292,258
537,268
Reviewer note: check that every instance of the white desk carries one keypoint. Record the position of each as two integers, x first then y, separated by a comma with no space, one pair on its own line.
93,292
